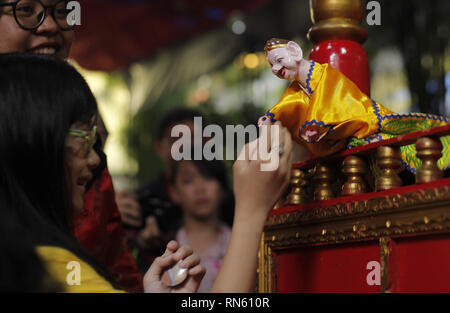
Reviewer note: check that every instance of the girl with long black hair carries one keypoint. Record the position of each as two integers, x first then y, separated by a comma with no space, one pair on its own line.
47,130
200,188
99,227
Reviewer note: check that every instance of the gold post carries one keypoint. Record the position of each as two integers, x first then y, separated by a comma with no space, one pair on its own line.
337,19
323,176
389,161
264,271
354,168
429,151
385,252
298,194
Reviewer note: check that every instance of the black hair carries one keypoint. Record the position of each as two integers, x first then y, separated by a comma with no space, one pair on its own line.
21,269
40,98
211,169
176,116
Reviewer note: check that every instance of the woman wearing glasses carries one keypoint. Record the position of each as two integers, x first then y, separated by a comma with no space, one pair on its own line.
25,26
46,161
32,138
47,158
41,27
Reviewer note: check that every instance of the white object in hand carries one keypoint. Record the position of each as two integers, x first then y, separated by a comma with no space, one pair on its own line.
175,275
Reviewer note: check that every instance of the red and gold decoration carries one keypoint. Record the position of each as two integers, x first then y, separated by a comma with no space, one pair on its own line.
333,242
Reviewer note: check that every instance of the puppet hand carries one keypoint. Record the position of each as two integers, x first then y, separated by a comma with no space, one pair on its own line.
264,120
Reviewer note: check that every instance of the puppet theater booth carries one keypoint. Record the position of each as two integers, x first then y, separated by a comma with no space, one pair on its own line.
338,229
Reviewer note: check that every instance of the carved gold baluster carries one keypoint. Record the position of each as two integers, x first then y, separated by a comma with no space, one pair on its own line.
354,168
323,176
280,203
337,20
298,182
429,150
389,162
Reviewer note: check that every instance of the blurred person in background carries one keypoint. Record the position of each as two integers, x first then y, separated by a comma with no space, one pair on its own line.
98,228
150,215
255,192
200,187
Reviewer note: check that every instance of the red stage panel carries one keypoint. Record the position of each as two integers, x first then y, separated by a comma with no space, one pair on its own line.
421,265
336,268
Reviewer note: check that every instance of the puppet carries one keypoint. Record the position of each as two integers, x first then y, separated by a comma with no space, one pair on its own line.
326,112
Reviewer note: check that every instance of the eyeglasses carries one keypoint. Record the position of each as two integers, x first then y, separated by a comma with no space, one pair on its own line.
90,136
30,14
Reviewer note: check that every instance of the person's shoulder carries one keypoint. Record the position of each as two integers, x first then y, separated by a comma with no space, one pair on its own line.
181,236
58,259
225,228
72,272
55,253
225,231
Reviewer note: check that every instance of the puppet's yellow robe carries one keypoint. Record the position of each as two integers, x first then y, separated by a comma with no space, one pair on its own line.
333,113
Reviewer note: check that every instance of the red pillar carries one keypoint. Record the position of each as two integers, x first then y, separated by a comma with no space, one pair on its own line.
337,36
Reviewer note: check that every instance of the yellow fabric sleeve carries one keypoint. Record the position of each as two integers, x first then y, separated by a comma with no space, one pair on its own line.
57,260
328,111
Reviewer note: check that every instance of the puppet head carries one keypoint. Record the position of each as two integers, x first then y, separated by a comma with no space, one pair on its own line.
284,57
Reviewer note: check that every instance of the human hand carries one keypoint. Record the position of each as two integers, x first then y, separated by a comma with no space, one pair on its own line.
129,208
257,191
153,278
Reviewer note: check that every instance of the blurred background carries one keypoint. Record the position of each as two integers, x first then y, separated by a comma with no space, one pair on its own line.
143,57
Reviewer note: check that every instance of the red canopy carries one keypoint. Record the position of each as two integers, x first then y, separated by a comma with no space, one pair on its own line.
114,34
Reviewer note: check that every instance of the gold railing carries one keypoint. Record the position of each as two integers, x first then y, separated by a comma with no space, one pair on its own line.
323,179
336,200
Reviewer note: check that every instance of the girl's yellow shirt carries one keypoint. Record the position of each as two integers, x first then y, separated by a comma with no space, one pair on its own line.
57,261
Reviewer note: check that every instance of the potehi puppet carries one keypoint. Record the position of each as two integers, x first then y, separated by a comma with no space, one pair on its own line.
326,112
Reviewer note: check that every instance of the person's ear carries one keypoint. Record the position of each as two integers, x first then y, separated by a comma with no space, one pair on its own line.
295,51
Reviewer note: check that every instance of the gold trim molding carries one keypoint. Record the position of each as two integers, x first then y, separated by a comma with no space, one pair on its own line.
418,213
412,200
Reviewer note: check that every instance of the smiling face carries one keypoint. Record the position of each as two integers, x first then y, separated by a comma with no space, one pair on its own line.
48,39
79,165
283,63
198,196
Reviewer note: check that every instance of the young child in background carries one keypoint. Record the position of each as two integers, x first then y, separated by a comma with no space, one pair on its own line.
199,188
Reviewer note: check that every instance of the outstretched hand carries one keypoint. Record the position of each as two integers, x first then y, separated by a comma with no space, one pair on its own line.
256,190
256,193
153,278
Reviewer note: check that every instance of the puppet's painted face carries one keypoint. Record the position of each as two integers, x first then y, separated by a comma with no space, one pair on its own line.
283,63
